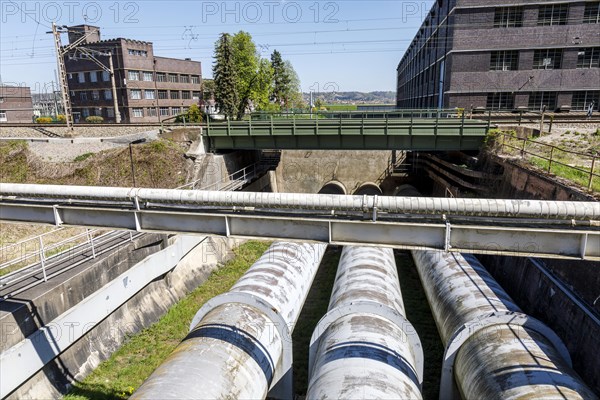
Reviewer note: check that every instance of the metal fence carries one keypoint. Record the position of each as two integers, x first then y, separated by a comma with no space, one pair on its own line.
551,155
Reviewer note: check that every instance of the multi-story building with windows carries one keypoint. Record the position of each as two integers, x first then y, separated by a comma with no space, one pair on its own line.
149,88
15,104
504,55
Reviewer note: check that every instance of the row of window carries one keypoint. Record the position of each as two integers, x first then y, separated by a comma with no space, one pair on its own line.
93,95
150,94
162,77
508,60
92,76
139,53
139,112
548,15
506,101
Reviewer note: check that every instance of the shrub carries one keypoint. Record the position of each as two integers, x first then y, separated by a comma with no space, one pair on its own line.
93,119
158,145
60,118
192,115
83,157
43,120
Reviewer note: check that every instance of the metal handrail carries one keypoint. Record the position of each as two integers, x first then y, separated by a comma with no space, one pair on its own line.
551,159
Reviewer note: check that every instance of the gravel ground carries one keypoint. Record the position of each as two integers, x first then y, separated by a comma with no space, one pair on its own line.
558,128
106,131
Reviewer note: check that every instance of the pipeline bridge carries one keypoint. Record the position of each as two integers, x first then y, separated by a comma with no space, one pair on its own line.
479,226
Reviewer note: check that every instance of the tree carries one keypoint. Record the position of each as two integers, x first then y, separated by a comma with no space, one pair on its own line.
208,89
225,77
281,80
246,61
292,94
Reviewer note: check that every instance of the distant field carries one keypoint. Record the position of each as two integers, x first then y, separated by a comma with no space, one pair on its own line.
341,107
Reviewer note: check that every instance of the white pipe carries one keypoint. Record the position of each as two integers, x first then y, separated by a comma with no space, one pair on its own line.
236,348
397,205
361,348
503,361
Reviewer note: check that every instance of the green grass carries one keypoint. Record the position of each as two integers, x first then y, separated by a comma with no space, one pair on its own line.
419,315
128,367
563,171
340,107
83,157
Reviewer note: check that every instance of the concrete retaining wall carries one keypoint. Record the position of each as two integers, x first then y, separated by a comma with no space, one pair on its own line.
139,312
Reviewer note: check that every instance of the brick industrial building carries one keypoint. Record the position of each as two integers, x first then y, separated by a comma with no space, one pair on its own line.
504,55
149,88
15,104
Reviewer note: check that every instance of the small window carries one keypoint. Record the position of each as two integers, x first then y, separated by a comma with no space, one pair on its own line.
108,95
508,17
3,117
133,75
185,95
174,94
105,76
539,99
83,96
582,100
504,60
163,94
175,110
136,94
151,112
149,94
110,112
547,59
81,77
147,76
591,15
173,78
164,111
588,57
1,99
195,95
95,95
195,80
70,76
184,79
138,112
161,77
553,14
85,112
93,77
500,101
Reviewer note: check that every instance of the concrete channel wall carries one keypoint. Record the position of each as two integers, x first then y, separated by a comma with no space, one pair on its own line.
143,309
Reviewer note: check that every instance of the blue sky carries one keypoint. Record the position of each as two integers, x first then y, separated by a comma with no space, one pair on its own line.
333,45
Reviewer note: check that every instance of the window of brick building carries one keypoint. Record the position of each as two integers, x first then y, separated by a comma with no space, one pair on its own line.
149,94
136,94
160,77
164,111
184,79
504,60
93,77
133,75
500,101
137,112
83,96
539,99
508,17
591,15
547,59
553,14
195,79
3,117
582,100
163,94
110,112
185,95
85,112
173,78
95,95
588,57
174,94
147,76
151,111
105,76
108,95
175,110
81,77
195,94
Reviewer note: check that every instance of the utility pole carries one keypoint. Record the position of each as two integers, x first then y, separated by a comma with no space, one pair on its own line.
60,61
114,88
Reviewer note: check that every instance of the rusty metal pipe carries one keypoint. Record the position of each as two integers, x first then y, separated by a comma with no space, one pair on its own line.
238,342
364,347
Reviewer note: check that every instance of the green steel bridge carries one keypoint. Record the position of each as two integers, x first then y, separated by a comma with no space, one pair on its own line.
429,131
